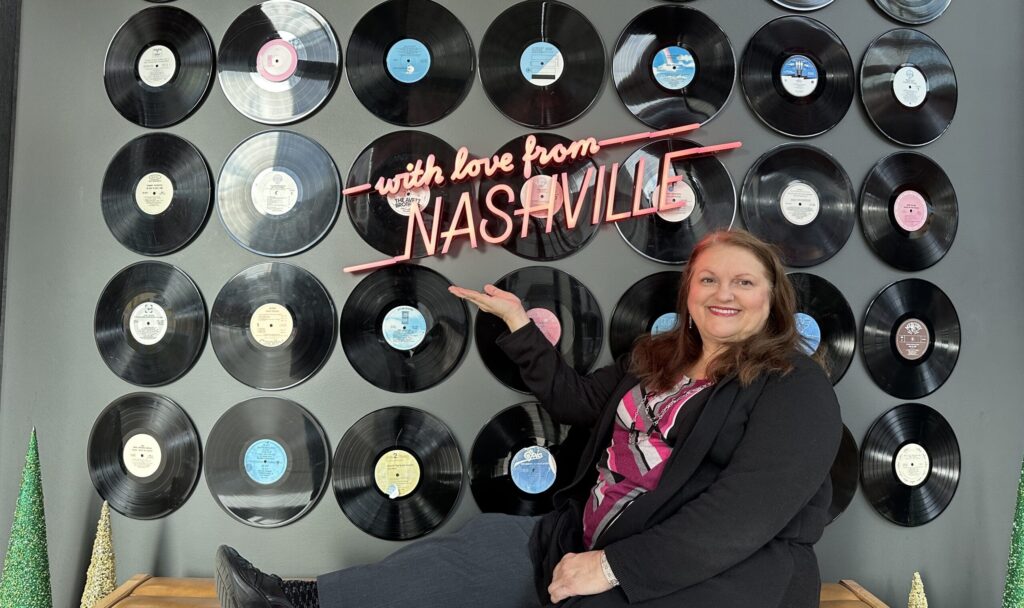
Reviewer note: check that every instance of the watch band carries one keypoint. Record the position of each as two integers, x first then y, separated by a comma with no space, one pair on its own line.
607,569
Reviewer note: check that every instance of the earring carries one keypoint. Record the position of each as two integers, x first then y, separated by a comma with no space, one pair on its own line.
691,322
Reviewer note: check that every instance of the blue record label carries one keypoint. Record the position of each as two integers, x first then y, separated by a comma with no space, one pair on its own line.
408,60
809,330
664,323
541,64
799,76
674,68
404,328
533,469
265,461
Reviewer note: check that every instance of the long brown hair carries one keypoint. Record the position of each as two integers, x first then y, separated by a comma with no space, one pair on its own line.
660,360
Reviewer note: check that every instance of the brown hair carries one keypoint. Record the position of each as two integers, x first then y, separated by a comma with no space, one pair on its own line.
659,360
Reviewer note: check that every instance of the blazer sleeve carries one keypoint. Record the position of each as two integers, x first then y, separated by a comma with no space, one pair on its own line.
790,441
570,398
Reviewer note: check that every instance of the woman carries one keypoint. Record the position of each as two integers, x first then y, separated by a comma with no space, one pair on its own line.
704,484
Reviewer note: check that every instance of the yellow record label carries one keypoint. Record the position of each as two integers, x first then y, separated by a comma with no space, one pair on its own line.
397,473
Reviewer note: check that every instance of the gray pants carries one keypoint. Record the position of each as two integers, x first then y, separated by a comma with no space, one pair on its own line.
486,563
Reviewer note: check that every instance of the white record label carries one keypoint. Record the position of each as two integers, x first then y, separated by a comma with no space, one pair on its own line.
912,464
271,325
141,455
157,66
274,192
153,193
799,203
910,86
148,323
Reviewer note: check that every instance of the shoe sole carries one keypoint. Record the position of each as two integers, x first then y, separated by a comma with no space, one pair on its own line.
226,593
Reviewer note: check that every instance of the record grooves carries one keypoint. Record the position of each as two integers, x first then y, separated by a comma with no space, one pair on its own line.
913,12
826,323
648,306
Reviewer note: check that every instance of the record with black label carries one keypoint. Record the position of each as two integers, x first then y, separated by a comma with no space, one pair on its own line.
798,198
825,322
273,326
410,62
910,464
911,338
649,306
156,194
673,66
908,211
150,323
144,455
913,12
797,76
570,201
397,473
908,87
267,462
278,193
542,63
803,5
845,473
278,62
566,312
159,66
402,330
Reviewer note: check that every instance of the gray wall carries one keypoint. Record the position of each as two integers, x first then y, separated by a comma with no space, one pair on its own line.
61,255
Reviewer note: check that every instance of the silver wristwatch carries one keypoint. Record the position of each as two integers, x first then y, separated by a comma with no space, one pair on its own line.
607,569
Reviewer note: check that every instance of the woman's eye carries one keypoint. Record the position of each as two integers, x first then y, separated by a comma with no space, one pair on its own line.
707,280
746,282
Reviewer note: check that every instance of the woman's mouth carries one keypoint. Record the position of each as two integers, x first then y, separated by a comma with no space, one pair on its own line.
719,311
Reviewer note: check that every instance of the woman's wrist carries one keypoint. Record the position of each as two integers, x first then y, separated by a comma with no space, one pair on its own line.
517,321
606,568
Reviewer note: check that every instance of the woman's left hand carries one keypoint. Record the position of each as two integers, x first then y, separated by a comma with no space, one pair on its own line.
578,574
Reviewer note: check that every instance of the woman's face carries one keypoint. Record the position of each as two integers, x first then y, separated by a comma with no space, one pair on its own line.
730,295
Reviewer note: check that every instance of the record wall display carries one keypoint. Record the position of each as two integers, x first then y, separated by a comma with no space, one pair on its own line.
144,455
566,312
803,5
913,12
397,473
797,76
908,211
826,323
267,462
278,62
908,87
542,63
159,66
273,326
410,62
673,66
156,194
911,338
845,473
800,199
910,464
648,306
704,201
150,323
544,189
278,193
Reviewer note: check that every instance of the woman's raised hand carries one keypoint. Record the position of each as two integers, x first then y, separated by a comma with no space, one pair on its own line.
502,304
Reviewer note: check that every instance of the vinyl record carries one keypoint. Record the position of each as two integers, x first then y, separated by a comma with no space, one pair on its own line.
797,76
397,473
844,474
156,194
800,199
144,455
826,323
402,330
278,193
908,211
410,62
150,323
704,201
542,63
563,308
911,338
673,66
383,221
908,87
267,462
648,306
910,464
545,184
913,12
273,326
278,62
159,66
803,5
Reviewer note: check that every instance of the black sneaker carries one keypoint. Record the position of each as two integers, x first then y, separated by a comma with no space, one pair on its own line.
242,585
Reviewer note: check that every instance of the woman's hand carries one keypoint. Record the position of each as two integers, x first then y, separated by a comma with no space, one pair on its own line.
578,574
502,304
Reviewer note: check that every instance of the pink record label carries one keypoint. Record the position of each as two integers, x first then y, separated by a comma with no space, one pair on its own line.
912,339
277,60
548,324
540,189
910,210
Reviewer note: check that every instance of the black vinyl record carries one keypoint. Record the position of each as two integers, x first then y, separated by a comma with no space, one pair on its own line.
826,323
545,184
908,87
150,323
845,473
673,66
278,62
803,5
704,201
911,338
267,462
402,330
159,66
908,211
648,306
800,199
398,473
913,12
797,76
542,63
910,464
278,193
273,326
383,220
156,194
410,62
144,455
566,312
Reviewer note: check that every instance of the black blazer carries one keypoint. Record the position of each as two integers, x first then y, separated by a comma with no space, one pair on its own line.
741,501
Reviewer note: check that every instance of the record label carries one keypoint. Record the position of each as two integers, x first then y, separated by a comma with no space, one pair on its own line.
680,200
402,203
154,193
537,191
404,328
142,455
148,323
800,203
408,60
276,60
274,191
674,68
910,86
548,324
533,469
271,325
799,76
910,210
665,323
911,465
810,331
157,66
265,461
397,474
912,339
541,64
